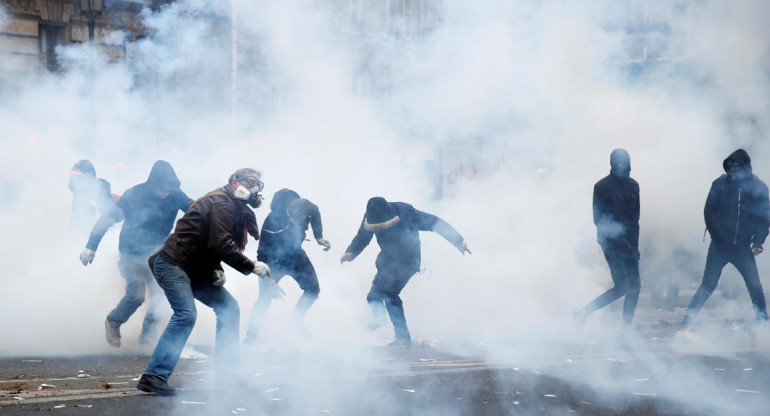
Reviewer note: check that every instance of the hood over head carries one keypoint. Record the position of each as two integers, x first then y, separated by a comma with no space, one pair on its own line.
83,167
379,210
620,163
281,200
739,160
162,175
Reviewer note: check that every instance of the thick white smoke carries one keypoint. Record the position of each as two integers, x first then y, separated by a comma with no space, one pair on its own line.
534,95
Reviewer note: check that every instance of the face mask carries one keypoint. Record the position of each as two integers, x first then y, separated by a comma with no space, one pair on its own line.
242,193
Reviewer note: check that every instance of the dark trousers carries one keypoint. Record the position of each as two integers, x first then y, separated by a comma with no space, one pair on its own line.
624,268
384,294
743,259
136,272
182,293
302,271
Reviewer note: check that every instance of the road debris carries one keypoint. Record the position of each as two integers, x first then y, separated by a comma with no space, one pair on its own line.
196,403
60,406
84,376
428,342
45,386
87,406
747,391
719,369
748,369
409,390
32,361
644,394
18,398
425,360
272,390
516,403
549,395
641,379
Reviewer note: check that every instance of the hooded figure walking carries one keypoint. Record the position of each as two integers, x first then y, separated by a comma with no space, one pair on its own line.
189,267
148,212
616,215
737,215
280,247
90,195
396,226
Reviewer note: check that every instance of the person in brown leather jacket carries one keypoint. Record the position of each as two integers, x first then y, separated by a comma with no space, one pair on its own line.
214,229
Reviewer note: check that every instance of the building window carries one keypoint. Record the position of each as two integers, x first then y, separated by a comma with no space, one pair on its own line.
48,39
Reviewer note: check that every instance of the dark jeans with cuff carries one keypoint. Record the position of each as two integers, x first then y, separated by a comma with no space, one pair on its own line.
385,295
134,269
181,293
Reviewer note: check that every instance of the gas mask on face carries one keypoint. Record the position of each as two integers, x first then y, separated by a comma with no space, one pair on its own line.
251,196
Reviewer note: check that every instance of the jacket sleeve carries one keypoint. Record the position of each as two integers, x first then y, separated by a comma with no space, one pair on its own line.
221,222
711,215
763,218
360,241
184,201
599,205
430,222
112,216
315,222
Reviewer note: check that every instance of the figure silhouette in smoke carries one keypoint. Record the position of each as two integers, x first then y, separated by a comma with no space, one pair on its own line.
616,215
148,211
91,196
396,226
737,215
215,228
280,247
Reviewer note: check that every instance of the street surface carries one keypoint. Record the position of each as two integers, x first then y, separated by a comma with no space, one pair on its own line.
642,375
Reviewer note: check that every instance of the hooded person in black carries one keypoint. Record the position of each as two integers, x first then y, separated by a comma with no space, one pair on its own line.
616,211
148,211
90,195
280,247
396,226
737,215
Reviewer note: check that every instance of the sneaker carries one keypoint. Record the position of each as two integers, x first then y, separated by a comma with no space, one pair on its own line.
400,343
112,333
151,383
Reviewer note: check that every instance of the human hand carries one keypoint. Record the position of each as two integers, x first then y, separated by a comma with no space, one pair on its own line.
346,257
325,243
757,250
464,248
87,256
261,269
219,278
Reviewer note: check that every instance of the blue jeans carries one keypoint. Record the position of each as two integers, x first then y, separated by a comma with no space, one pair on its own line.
624,269
181,293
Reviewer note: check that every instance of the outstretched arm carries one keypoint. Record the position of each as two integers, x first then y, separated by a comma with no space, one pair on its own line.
430,222
359,243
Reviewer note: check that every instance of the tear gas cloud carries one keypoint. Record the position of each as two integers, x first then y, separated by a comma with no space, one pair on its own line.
529,98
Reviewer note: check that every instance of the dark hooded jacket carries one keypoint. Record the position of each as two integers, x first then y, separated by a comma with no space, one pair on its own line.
89,193
399,238
281,239
616,206
148,219
737,210
214,229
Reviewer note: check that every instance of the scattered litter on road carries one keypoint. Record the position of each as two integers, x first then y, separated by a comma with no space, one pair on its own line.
518,393
201,361
106,386
84,376
719,369
641,379
135,379
549,395
748,369
515,368
644,394
45,386
185,402
240,409
516,403
424,360
408,390
585,403
272,390
87,406
659,339
459,398
115,383
571,410
275,400
60,406
32,361
81,371
746,391
569,360
18,398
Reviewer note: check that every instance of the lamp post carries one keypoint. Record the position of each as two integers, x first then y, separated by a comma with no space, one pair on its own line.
91,9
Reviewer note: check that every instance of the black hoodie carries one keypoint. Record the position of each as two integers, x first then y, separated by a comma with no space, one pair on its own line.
616,205
737,210
148,218
281,238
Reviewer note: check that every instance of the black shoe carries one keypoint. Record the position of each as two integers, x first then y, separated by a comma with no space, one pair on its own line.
154,384
400,343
